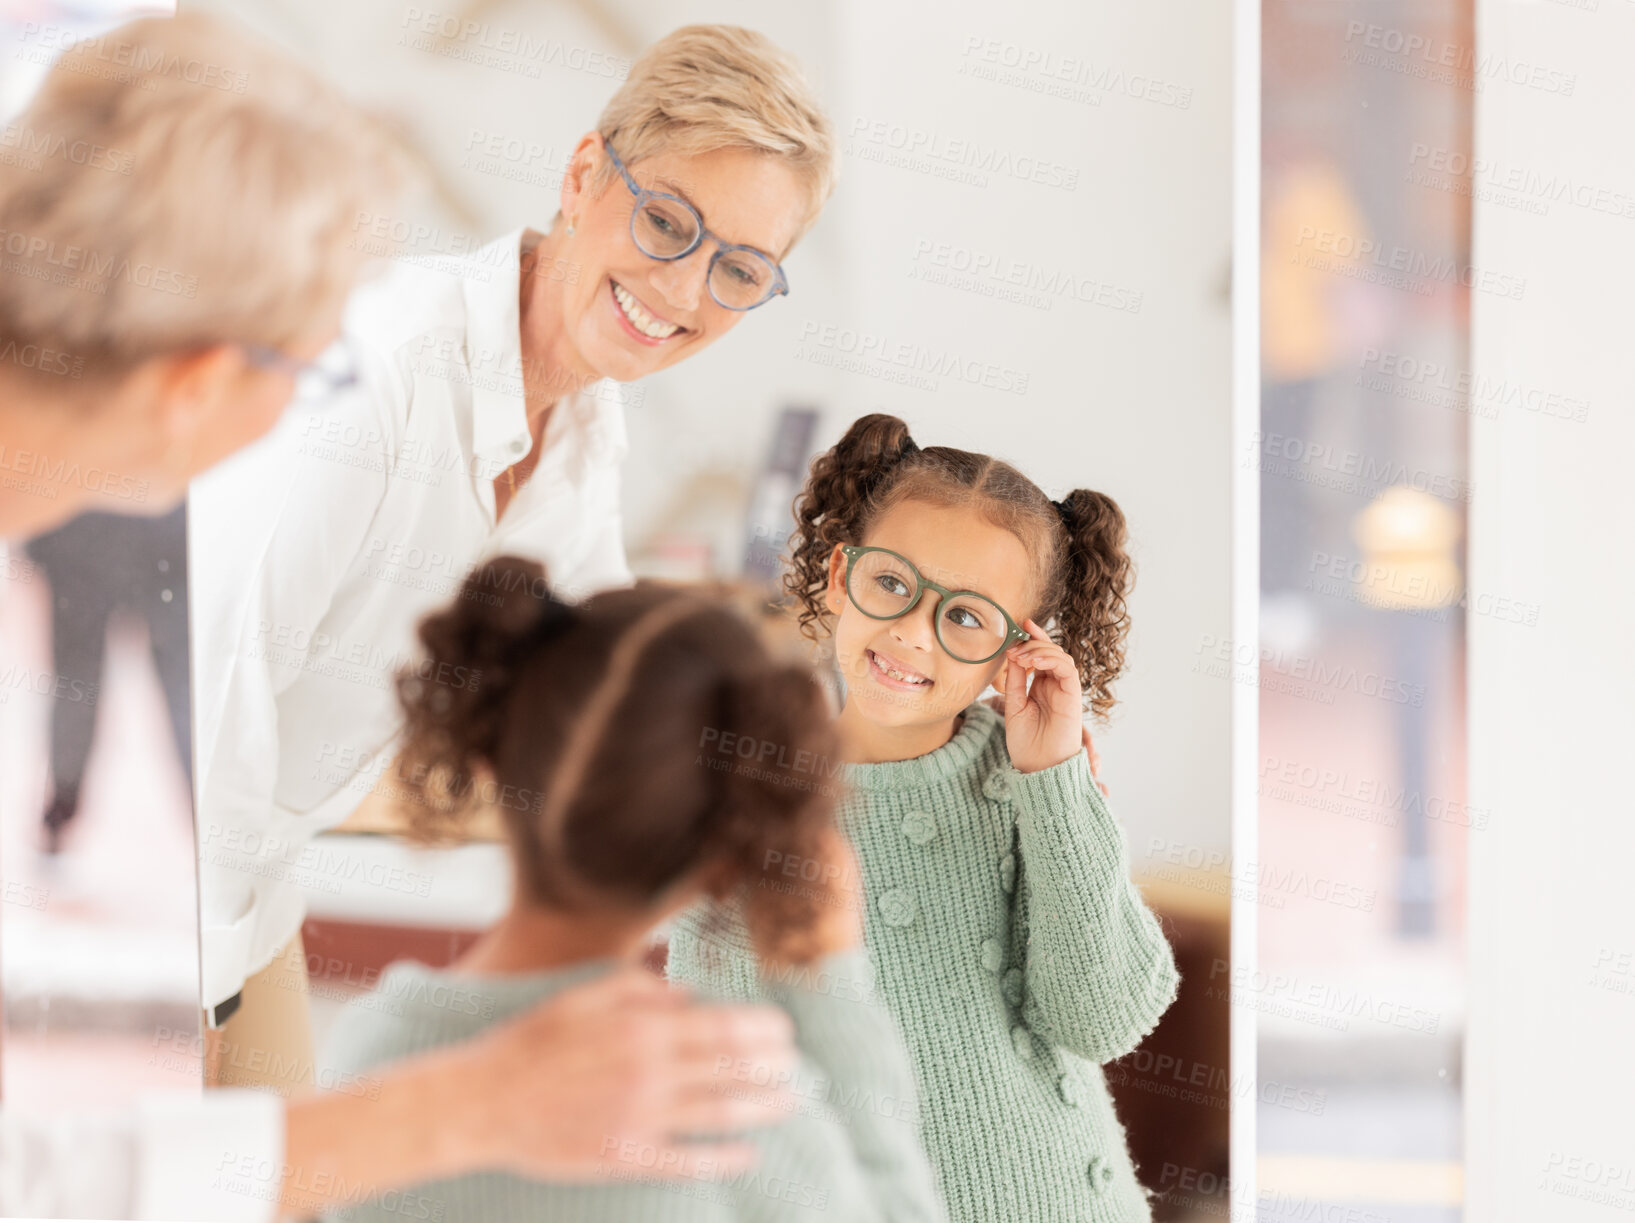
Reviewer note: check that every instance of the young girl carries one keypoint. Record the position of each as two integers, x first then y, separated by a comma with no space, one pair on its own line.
1007,937
596,730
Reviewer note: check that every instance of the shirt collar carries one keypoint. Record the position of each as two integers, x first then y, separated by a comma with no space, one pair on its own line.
494,352
499,429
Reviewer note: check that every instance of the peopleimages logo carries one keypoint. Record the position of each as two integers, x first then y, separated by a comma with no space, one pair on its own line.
46,259
41,359
917,148
1534,186
1365,258
536,51
869,352
38,145
62,473
102,56
1449,63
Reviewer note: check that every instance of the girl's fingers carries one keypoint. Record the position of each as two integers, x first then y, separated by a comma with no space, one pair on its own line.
1016,688
1049,657
1055,661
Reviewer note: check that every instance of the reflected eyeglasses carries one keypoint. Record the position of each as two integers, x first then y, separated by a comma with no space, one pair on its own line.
668,228
885,586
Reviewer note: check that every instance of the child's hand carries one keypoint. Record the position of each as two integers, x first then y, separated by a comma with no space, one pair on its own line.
1045,725
996,702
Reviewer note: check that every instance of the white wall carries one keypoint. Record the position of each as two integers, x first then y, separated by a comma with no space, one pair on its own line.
1551,1047
1136,403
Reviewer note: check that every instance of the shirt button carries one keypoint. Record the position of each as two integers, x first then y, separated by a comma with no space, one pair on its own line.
516,447
919,827
992,954
1022,1040
1070,1089
1100,1172
997,788
1007,872
1011,986
897,907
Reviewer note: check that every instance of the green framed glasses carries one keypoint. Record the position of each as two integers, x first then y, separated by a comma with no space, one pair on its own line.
885,586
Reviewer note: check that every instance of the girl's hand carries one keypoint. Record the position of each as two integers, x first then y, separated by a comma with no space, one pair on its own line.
996,702
1045,725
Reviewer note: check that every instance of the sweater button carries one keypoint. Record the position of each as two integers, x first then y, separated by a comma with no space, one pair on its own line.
1011,986
1100,1172
992,954
1022,1041
1007,872
997,788
919,827
1071,1092
897,907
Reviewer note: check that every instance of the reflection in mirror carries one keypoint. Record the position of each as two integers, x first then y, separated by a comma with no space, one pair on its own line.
1025,255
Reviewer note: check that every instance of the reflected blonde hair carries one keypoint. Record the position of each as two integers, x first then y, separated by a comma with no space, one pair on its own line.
206,190
708,87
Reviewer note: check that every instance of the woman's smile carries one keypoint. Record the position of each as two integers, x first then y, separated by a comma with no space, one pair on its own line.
639,322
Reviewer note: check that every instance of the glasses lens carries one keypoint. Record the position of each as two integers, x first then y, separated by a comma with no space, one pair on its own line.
664,228
741,279
881,585
971,628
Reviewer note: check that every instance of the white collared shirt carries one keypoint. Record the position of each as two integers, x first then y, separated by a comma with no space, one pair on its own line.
315,554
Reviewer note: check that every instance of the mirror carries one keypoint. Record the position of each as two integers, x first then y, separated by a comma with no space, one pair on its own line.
1027,254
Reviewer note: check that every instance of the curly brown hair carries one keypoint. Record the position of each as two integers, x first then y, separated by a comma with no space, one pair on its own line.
596,730
1084,574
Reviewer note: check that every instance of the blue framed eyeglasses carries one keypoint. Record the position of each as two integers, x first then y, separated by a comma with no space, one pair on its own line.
668,228
334,371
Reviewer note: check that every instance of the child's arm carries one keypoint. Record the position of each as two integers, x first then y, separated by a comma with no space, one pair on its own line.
848,1036
710,952
1097,971
867,1083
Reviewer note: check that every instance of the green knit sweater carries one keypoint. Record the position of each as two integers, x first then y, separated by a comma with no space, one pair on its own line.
850,1150
1016,954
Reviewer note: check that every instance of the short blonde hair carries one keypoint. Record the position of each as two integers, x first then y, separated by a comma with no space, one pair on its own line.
204,190
708,87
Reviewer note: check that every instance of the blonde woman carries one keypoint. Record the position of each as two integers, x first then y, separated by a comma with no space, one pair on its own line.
486,422
158,300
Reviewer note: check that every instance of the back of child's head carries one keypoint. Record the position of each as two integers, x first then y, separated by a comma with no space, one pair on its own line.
1083,573
596,730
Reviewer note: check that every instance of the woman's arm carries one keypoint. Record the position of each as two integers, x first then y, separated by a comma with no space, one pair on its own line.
552,1095
1098,972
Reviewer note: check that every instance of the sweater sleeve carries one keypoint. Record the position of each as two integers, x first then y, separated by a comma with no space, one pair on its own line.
1098,972
710,953
864,1077
866,1082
